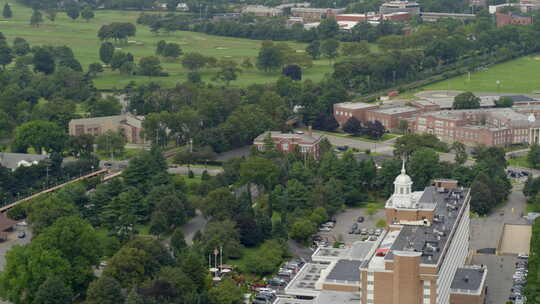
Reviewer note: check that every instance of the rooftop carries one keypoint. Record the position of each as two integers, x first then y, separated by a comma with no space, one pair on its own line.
345,270
337,297
395,110
468,279
357,251
303,284
305,137
14,160
430,240
132,119
355,105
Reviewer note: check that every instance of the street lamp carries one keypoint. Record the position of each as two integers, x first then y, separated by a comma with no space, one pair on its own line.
498,82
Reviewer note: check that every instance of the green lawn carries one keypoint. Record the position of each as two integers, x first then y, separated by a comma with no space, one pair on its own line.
517,76
519,161
81,36
385,137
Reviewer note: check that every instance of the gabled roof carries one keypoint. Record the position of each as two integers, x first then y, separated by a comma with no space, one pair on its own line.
6,222
12,160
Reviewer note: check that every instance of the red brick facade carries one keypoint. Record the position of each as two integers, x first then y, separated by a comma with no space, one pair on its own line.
510,18
287,142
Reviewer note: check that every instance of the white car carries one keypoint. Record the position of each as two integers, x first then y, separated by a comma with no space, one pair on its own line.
325,229
328,224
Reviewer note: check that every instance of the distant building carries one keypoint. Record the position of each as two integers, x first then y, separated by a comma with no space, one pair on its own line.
15,160
390,117
129,125
315,13
433,17
412,8
511,18
306,143
345,110
226,17
398,16
262,11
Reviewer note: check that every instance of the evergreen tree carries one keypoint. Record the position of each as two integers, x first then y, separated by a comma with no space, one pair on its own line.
7,13
36,19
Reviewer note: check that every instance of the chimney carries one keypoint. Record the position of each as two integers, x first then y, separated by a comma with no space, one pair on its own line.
310,131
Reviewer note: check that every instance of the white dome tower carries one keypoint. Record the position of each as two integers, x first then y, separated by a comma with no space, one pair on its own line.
402,190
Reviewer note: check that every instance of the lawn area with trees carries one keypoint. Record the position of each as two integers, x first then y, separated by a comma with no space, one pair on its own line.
515,76
81,37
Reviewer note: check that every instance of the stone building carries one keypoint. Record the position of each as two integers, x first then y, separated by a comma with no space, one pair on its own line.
306,143
412,8
129,125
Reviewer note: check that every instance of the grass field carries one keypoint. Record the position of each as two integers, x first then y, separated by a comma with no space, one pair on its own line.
81,36
521,75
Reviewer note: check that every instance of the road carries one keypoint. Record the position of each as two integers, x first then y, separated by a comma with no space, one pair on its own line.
196,170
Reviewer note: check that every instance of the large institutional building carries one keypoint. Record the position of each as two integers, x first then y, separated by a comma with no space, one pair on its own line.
420,258
487,125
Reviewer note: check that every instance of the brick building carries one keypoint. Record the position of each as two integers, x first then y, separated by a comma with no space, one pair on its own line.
421,256
345,110
511,18
315,13
490,127
306,143
412,8
390,117
129,125
262,11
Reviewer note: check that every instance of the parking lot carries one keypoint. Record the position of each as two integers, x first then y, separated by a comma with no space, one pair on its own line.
346,219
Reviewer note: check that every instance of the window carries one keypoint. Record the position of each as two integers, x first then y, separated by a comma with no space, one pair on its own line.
285,147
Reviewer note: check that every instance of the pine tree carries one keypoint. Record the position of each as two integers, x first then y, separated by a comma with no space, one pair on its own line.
7,13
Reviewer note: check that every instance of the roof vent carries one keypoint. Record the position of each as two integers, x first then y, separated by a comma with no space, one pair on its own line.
466,279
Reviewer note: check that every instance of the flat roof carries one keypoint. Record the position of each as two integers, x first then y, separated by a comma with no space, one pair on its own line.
468,278
356,251
355,105
396,110
281,300
345,270
337,297
431,240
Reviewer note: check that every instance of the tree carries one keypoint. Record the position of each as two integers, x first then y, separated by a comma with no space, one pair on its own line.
219,235
150,66
36,19
355,48
171,50
178,242
6,55
504,102
53,291
7,13
127,266
43,61
95,68
226,292
220,204
87,13
328,28
40,135
51,14
194,77
293,71
160,47
20,46
481,197
466,100
119,59
73,11
302,230
194,61
104,290
461,153
106,52
314,49
329,48
374,130
228,71
118,31
26,269
247,64
111,143
260,171
533,156
270,57
104,107
424,166
352,126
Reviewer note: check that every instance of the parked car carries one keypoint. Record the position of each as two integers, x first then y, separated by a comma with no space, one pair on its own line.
21,235
364,231
358,231
360,219
352,230
523,256
371,231
276,282
328,224
325,229
354,225
378,232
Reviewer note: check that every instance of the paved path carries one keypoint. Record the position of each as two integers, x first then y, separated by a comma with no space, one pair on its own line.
196,170
195,224
13,240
